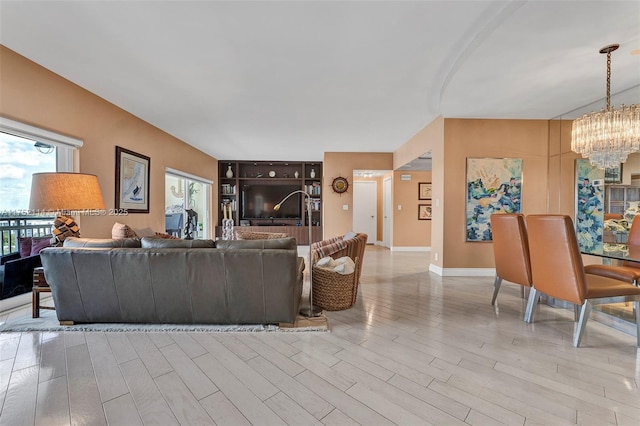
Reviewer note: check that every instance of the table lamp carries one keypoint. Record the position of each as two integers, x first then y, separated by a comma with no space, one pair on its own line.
65,193
311,311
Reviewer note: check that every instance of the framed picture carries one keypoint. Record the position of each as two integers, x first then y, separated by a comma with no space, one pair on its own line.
589,205
424,211
132,181
613,174
424,190
494,185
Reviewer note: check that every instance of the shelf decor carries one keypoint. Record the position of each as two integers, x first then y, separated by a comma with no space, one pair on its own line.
494,185
340,185
132,181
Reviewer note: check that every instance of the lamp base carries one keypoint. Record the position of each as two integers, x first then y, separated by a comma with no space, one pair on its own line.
311,312
64,226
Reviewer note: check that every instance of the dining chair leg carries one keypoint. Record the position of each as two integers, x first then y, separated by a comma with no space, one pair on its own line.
534,295
582,323
576,313
496,288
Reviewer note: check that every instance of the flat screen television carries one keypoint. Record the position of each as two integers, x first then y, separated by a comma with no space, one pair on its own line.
258,201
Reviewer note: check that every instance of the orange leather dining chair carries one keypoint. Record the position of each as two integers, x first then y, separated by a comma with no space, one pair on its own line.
627,271
510,251
557,270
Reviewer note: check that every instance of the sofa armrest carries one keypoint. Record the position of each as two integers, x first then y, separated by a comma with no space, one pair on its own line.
7,257
20,271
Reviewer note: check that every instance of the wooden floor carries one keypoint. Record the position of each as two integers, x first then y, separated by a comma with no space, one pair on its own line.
416,349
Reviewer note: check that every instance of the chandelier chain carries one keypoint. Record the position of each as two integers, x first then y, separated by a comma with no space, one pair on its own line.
609,80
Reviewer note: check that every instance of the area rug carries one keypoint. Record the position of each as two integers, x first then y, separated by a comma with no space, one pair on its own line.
49,322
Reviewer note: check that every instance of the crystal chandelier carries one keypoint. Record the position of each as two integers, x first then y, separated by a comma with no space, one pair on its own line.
607,137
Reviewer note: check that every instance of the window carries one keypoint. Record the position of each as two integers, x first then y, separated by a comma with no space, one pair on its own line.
25,150
187,203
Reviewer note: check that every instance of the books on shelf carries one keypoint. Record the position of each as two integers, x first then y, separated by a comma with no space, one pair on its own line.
226,202
228,189
313,189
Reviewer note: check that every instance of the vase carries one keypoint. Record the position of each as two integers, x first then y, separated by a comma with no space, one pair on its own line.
296,174
631,212
229,172
312,174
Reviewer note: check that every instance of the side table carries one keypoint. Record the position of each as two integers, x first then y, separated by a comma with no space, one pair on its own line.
39,286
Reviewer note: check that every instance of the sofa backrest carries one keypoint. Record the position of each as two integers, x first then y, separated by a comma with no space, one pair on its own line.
151,243
198,285
102,242
279,243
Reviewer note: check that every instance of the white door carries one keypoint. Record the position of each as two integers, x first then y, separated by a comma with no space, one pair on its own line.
387,212
365,201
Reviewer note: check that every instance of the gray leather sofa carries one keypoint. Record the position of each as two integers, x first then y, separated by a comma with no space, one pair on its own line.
175,281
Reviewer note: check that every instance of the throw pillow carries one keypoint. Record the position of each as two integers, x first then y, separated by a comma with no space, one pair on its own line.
24,246
120,230
144,232
326,262
345,266
349,235
38,244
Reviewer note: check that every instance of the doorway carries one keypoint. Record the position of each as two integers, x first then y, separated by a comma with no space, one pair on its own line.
365,203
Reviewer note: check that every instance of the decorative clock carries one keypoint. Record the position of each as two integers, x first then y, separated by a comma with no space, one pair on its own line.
340,185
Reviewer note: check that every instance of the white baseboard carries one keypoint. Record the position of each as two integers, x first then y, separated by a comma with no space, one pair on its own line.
416,248
435,269
462,272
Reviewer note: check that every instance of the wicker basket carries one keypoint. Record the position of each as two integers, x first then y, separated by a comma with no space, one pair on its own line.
333,291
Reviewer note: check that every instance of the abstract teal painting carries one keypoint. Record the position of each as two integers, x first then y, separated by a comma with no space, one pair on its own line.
494,185
589,205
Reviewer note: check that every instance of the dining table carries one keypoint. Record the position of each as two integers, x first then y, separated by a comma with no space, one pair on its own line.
615,251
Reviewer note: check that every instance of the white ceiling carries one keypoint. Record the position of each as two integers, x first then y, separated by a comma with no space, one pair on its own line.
289,80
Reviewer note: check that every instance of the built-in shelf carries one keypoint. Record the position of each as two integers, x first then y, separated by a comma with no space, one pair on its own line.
294,174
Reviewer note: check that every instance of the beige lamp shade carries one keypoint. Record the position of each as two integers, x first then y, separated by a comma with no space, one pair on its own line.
55,192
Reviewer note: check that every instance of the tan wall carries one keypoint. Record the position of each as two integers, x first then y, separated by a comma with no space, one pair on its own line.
526,139
408,231
430,139
33,95
337,221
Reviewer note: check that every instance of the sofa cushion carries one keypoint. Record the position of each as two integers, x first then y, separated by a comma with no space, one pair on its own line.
150,242
280,243
102,242
120,230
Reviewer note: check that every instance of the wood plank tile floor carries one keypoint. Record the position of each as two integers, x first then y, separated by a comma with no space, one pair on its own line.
416,349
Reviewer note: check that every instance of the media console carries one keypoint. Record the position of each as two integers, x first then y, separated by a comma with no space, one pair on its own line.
249,191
